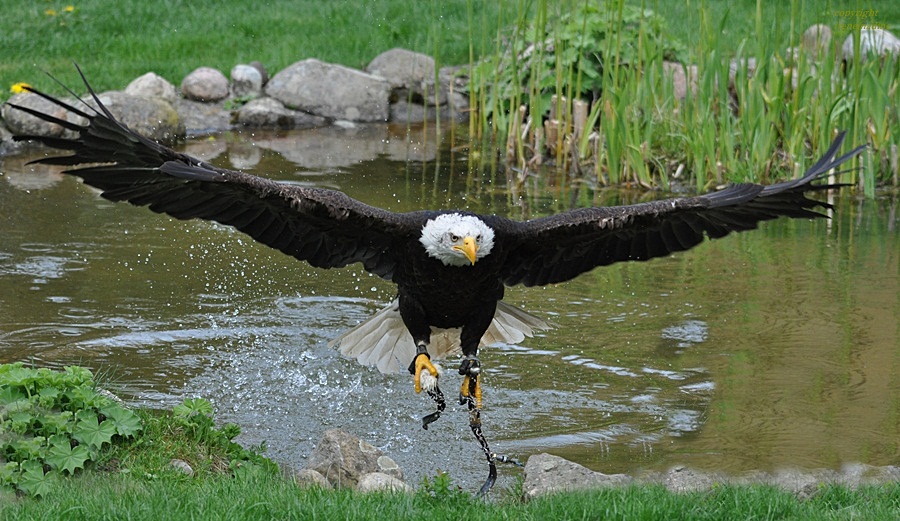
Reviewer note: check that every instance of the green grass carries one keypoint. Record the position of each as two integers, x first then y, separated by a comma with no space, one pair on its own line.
265,495
117,41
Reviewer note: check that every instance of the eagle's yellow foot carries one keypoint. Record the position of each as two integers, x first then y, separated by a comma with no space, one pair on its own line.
424,380
471,386
470,391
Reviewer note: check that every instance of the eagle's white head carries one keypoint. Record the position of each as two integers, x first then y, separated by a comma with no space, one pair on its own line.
457,240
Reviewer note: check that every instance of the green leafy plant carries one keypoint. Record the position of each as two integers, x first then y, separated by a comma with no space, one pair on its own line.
53,423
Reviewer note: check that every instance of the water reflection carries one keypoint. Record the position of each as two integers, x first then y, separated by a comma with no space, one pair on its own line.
758,351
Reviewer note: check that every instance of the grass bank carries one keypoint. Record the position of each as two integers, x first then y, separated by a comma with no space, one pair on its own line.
101,474
266,496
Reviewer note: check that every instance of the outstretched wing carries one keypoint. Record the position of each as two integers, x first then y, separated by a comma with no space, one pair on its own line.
326,228
559,247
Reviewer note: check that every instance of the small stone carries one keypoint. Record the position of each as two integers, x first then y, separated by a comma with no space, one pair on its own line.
205,84
152,85
182,466
344,459
246,80
378,481
310,478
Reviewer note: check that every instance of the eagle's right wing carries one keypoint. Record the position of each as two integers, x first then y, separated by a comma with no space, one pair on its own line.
324,227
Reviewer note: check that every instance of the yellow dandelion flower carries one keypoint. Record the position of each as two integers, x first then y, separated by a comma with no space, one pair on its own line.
50,12
19,87
69,8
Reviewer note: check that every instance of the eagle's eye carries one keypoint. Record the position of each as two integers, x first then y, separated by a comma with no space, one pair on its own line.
478,238
454,238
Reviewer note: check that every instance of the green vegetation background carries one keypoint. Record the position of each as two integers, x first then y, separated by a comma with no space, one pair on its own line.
117,41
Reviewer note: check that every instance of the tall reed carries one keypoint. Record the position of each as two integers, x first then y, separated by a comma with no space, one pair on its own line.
756,114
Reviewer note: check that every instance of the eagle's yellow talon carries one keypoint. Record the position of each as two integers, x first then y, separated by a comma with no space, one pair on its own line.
423,362
464,389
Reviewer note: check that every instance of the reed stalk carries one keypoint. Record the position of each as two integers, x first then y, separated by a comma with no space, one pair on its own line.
755,114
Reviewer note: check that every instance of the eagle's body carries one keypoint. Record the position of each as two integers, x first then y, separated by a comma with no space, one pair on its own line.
450,267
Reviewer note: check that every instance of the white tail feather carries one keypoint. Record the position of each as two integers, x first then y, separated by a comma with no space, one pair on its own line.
384,342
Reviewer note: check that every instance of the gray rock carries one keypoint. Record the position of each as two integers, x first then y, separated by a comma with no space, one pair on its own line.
264,74
205,84
682,479
203,118
403,68
331,91
7,145
404,112
874,42
411,75
154,118
546,473
379,481
344,459
19,122
684,78
181,466
246,80
309,478
151,85
816,41
271,113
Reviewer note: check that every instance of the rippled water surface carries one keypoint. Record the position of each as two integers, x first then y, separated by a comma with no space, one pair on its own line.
779,347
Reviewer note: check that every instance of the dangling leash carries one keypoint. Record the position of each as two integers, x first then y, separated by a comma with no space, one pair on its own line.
438,398
471,396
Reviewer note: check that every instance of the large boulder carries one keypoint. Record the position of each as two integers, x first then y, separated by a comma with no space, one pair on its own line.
20,122
331,91
546,473
874,42
344,459
203,118
154,118
411,75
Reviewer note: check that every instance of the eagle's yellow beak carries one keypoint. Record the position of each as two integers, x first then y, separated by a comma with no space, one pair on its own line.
469,248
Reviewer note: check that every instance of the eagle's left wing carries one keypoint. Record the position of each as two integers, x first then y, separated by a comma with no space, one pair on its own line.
559,247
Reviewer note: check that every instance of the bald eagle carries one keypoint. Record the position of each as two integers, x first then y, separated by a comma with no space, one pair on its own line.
450,266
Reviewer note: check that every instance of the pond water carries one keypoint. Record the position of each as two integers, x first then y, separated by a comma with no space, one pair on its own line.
774,348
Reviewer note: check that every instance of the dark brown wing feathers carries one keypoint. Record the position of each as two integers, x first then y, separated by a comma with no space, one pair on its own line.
559,247
323,227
